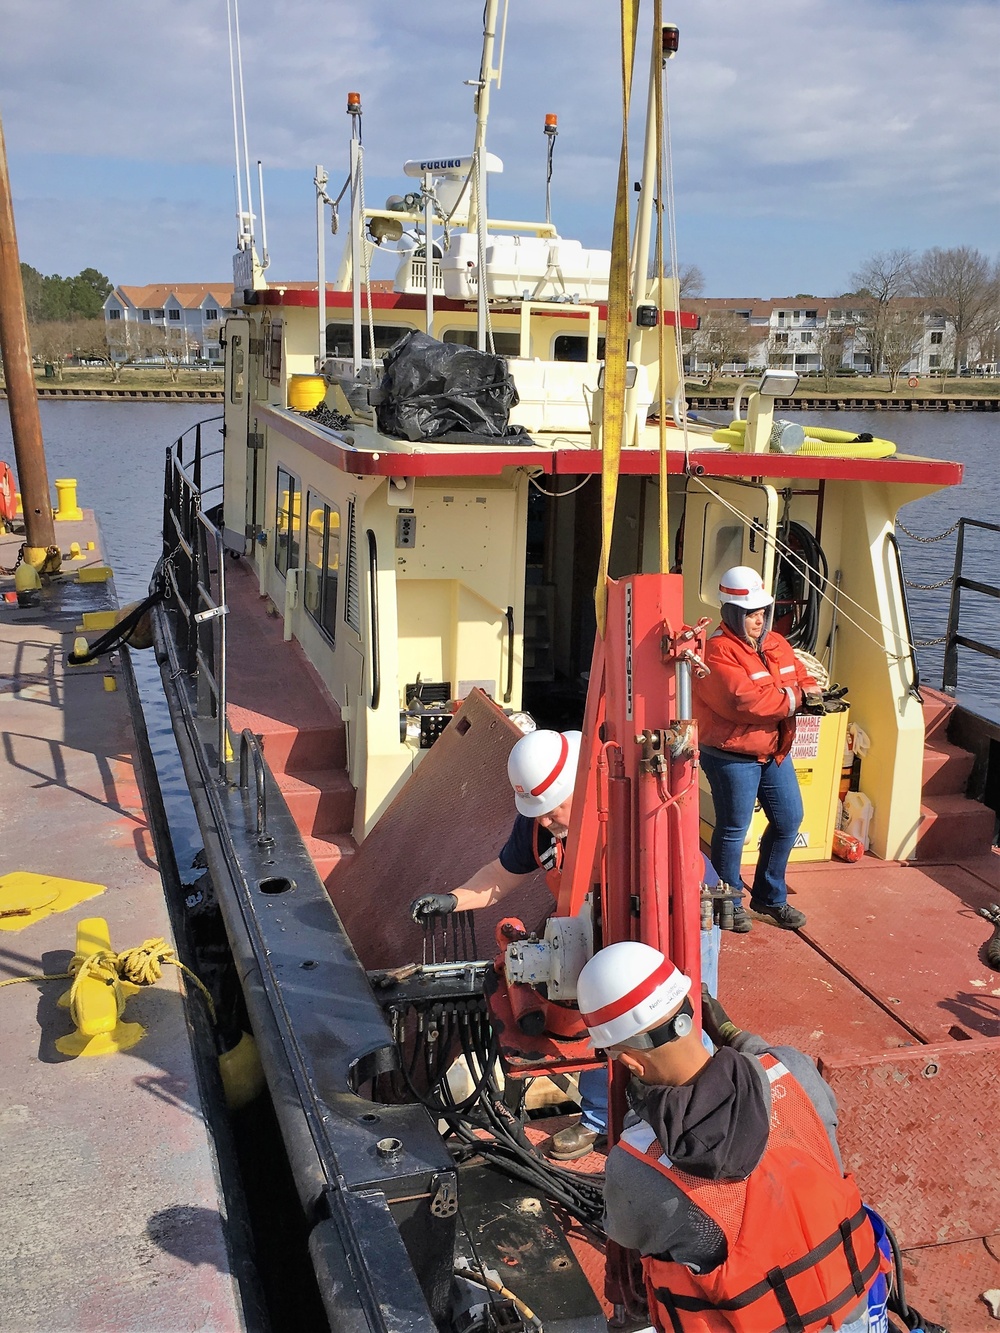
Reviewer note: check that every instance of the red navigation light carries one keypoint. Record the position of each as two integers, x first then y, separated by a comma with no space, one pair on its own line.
354,104
669,40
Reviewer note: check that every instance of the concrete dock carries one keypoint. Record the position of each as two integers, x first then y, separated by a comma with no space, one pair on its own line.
113,1215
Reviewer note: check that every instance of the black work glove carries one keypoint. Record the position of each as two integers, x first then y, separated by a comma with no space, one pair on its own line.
812,702
432,904
825,701
715,1021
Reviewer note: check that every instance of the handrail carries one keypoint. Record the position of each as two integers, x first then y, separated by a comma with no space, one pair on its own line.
954,640
373,608
915,682
508,693
250,745
195,571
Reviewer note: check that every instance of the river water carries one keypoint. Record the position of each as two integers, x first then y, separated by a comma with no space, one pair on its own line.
116,452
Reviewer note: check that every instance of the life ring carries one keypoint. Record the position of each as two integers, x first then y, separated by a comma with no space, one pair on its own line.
913,382
8,493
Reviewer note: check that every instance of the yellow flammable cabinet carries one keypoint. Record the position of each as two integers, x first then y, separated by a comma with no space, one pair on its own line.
817,753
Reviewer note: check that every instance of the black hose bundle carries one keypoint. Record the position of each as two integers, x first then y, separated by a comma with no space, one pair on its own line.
800,576
992,915
910,1315
119,633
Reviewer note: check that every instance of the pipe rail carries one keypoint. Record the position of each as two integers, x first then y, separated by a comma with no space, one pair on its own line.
953,639
194,567
250,745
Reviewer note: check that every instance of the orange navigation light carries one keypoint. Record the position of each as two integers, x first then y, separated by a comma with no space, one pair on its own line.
354,104
552,124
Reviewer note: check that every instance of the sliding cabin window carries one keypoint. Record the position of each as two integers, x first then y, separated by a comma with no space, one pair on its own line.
322,563
572,347
505,344
287,522
340,338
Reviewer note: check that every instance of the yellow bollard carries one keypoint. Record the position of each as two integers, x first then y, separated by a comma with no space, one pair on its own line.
66,505
96,1000
27,585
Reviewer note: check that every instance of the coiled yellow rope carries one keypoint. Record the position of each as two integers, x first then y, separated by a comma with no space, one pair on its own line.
141,965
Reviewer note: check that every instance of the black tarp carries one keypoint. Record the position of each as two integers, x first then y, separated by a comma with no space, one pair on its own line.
442,391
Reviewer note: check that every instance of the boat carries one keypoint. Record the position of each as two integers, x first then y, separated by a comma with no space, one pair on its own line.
386,565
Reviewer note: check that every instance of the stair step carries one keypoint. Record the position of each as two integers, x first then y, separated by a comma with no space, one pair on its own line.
938,709
291,750
953,828
946,769
321,802
329,853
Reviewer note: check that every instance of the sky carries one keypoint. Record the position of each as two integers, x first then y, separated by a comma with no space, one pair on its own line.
807,135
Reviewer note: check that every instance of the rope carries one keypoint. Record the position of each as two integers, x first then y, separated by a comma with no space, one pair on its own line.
940,537
814,666
141,965
557,495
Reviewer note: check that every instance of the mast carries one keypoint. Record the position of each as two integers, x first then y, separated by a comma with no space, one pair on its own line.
22,396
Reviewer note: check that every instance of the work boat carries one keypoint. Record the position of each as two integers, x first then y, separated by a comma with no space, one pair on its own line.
397,578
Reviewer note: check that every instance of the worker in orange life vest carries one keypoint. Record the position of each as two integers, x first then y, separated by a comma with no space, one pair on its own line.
727,1179
745,711
542,771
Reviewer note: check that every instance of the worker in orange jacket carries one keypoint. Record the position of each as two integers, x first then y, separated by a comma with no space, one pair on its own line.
745,710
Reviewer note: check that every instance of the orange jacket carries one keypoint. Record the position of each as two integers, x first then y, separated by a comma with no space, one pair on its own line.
743,705
801,1250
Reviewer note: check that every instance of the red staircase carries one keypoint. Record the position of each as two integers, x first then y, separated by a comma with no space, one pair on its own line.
952,827
275,692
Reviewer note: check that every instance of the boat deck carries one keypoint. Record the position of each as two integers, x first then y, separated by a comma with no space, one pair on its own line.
113,1217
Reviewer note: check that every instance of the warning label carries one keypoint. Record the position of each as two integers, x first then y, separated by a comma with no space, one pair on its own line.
806,743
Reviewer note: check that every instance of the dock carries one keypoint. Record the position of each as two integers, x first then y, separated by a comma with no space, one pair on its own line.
114,1216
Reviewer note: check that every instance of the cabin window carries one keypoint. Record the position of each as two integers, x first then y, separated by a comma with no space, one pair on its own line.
322,563
505,344
572,347
287,522
274,353
340,338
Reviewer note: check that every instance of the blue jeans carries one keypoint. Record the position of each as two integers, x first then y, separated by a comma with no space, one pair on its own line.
737,783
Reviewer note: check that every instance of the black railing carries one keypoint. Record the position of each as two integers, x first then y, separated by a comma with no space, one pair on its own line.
953,639
194,567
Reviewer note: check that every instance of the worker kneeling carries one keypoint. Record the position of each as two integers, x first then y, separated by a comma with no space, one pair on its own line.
727,1178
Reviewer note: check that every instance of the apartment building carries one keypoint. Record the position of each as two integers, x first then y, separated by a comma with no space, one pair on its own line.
179,322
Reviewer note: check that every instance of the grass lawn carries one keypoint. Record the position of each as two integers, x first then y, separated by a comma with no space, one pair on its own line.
99,377
864,386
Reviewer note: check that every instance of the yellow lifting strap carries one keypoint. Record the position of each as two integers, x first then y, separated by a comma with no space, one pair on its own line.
616,334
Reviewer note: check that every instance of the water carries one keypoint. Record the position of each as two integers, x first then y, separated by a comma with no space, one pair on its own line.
116,452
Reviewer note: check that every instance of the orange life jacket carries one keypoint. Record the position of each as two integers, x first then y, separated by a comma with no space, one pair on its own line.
801,1250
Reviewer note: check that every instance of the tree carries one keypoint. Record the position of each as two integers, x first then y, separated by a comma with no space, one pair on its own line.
830,342
690,280
53,341
31,281
123,345
902,328
967,283
881,279
174,346
724,338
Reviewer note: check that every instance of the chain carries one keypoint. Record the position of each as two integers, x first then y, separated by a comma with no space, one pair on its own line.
928,587
20,556
930,643
940,537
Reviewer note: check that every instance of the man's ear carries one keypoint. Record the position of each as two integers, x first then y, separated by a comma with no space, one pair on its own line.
632,1063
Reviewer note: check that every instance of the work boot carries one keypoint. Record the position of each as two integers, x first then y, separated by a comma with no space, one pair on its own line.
741,922
573,1142
782,914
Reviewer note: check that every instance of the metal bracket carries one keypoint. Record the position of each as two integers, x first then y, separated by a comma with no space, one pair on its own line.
444,1194
654,746
210,614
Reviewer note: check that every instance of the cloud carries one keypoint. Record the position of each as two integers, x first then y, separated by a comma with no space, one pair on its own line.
872,122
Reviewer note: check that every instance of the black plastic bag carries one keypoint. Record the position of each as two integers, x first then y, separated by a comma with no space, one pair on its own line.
442,391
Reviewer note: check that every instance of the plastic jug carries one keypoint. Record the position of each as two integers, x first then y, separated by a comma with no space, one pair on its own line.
857,816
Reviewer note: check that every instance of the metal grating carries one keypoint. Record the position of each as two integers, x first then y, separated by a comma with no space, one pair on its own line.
352,596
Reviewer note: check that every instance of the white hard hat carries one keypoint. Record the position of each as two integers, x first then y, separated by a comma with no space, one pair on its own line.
625,989
743,586
542,770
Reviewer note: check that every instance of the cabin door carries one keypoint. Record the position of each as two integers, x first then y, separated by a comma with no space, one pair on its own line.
726,523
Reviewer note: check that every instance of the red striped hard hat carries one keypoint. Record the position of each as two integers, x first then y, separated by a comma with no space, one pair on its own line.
625,989
542,770
743,586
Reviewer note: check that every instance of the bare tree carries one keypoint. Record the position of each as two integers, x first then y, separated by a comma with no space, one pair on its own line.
902,327
779,352
690,280
881,280
967,284
123,346
724,338
53,341
830,342
173,345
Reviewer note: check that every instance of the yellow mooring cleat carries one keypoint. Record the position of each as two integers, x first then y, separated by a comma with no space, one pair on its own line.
96,999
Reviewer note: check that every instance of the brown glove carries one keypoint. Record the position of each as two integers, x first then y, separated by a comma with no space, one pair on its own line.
715,1021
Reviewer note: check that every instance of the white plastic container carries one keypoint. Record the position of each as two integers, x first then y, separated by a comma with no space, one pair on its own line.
857,816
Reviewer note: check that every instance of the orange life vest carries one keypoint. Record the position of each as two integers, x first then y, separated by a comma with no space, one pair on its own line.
801,1250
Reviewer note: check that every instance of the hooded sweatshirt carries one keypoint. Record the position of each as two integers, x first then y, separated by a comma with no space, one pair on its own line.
715,1127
